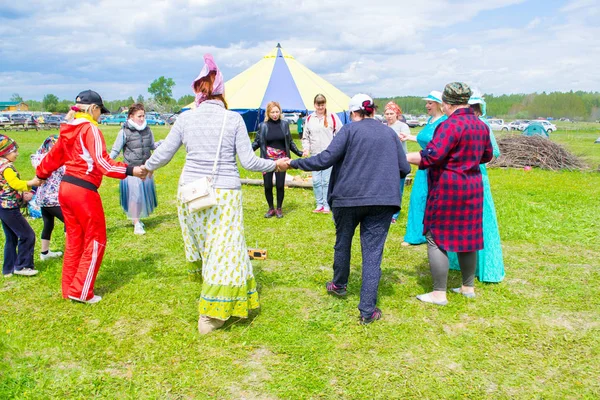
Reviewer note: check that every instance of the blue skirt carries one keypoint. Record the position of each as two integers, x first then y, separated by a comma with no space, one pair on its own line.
138,197
490,262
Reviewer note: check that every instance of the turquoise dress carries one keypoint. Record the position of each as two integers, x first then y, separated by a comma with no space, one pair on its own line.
490,263
418,194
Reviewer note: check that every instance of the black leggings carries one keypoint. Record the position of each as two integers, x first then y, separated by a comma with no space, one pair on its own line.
279,184
48,215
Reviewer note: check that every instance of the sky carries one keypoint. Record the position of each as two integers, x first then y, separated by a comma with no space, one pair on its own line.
382,48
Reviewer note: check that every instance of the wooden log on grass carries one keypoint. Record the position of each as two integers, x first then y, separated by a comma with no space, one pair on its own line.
300,183
292,183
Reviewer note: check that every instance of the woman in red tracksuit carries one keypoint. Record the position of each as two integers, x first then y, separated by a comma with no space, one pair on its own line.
82,150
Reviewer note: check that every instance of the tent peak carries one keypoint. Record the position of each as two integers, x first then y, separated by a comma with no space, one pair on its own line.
278,52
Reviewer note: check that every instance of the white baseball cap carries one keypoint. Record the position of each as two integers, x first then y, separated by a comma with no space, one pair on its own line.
359,101
434,95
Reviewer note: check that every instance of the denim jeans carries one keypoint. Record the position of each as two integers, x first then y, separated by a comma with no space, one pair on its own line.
374,226
320,181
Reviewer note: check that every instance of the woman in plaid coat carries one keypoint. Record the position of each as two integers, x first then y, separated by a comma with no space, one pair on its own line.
454,211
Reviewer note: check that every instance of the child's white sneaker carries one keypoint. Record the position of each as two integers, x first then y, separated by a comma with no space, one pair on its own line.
93,300
26,272
50,254
138,229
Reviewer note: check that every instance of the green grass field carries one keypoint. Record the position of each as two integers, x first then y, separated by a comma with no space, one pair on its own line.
535,335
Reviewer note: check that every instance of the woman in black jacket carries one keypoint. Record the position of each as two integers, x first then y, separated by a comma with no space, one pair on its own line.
275,142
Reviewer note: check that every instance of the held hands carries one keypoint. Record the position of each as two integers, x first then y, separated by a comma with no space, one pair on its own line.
403,136
35,182
27,196
140,172
305,153
282,164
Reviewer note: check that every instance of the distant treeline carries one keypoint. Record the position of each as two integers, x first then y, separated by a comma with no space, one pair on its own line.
53,104
581,106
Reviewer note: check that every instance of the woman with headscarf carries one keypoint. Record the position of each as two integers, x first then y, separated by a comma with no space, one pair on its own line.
368,162
392,115
454,210
490,263
46,197
215,236
418,195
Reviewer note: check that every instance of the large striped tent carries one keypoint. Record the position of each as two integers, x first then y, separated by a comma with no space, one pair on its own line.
280,77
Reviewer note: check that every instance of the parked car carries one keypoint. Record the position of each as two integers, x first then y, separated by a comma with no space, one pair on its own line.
498,125
380,118
4,119
54,120
514,125
20,118
154,121
292,118
115,119
524,124
413,121
153,118
549,126
169,118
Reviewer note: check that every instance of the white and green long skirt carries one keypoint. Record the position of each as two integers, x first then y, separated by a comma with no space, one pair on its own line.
216,237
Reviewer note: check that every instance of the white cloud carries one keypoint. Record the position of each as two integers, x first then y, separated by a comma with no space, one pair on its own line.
534,23
384,48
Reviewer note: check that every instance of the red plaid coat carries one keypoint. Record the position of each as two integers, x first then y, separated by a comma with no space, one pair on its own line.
454,210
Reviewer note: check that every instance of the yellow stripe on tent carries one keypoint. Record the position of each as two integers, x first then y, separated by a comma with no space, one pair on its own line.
246,90
310,84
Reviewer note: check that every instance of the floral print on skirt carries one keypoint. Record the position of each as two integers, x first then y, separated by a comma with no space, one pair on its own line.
215,236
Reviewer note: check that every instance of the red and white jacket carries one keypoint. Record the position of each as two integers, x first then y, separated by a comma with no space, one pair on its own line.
82,150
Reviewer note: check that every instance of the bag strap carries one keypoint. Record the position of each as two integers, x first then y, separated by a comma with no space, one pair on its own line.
214,170
334,124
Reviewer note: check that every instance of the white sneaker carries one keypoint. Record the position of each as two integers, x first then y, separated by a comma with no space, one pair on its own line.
139,229
7,275
93,300
26,272
50,254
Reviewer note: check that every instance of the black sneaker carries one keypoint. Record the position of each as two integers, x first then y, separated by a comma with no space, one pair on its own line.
374,317
332,288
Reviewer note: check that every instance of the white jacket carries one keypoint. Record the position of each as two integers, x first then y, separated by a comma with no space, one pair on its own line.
316,137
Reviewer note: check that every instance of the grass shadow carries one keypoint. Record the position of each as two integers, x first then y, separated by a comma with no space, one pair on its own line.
149,223
119,273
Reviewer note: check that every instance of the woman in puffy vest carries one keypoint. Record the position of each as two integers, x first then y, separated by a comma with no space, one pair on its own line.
138,197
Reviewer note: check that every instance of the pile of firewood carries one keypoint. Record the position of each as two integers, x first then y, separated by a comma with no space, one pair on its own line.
534,151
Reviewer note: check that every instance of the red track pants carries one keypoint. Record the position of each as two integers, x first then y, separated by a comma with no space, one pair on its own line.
86,239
